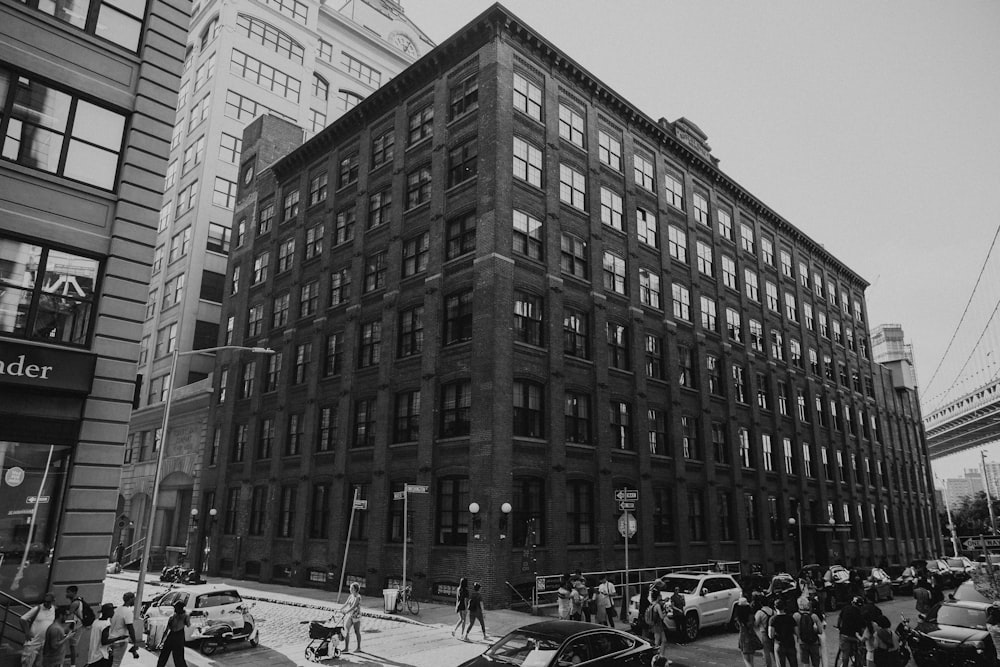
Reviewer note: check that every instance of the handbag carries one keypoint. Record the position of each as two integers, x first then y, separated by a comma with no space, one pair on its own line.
755,643
611,612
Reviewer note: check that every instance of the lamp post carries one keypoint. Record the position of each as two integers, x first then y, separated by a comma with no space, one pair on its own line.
795,524
989,498
147,545
505,510
476,520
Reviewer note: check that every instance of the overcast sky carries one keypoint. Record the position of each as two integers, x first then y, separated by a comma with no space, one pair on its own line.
874,127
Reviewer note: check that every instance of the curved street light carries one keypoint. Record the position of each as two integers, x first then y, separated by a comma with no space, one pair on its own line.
147,545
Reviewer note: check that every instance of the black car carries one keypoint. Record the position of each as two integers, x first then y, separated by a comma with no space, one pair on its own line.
955,635
941,572
552,643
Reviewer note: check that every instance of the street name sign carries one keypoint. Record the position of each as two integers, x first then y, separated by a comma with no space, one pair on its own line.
399,495
360,504
626,494
626,505
416,488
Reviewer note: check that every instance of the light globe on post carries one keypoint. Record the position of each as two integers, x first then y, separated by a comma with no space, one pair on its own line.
505,510
474,511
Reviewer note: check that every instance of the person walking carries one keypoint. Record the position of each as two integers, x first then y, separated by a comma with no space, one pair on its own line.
475,611
579,583
749,643
810,629
655,613
57,638
173,645
34,622
564,601
101,639
123,623
461,606
75,618
676,611
851,624
352,617
606,602
762,621
783,630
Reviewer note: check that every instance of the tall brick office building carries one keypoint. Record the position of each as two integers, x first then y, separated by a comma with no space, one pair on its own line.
498,279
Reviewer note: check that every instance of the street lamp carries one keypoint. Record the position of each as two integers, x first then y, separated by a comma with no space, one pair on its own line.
147,545
476,521
505,510
795,524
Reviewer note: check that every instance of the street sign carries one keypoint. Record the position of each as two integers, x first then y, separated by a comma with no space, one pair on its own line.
627,525
626,494
971,543
626,505
41,499
360,504
539,584
417,488
399,495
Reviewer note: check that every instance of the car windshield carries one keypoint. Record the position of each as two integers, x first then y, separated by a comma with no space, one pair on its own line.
523,648
962,616
685,584
955,562
840,575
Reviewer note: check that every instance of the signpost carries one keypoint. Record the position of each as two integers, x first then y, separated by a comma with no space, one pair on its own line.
405,494
627,499
971,543
358,504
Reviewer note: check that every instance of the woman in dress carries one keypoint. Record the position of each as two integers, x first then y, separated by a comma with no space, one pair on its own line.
352,617
749,642
461,606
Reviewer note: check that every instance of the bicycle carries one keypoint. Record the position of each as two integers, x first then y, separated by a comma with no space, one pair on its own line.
405,598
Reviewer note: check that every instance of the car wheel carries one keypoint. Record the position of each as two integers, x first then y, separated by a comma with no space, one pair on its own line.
691,627
209,646
892,594
255,641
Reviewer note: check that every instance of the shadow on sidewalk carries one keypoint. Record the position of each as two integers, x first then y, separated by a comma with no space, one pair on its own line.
362,659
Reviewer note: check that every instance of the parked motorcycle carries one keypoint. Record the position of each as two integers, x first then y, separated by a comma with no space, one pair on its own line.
216,634
181,575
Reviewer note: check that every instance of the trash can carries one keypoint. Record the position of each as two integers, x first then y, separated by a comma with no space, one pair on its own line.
389,596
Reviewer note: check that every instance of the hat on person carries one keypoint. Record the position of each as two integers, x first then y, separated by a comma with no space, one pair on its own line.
107,609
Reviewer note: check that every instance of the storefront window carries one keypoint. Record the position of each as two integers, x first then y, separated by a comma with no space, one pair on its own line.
32,479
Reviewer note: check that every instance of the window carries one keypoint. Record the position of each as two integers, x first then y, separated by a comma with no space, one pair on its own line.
383,147
528,318
462,162
714,374
767,449
166,215
576,334
701,209
777,345
529,412
746,455
573,256
370,347
580,512
611,209
415,251
293,434
326,428
681,302
290,205
724,508
319,515
317,188
746,237
677,243
379,208
570,125
364,422
734,326
527,235
577,418
411,332
286,254
55,132
657,432
725,219
421,125
340,287
528,496
269,36
791,311
314,240
649,289
343,230
646,228
279,316
767,250
739,384
690,445
347,170
786,265
771,290
621,425
527,97
255,319
218,238
685,366
696,515
239,107
346,100
333,356
674,184
233,507
663,515
458,317
180,244
709,318
320,88
166,340
783,398
807,465
705,262
199,111
763,392
609,150
729,272
643,171
376,268
193,155
654,356
618,346
272,375
452,511
461,235
418,186
456,406
264,75
615,279
359,70
752,288
249,375
407,417
303,359
572,187
265,218
463,98
173,291
186,198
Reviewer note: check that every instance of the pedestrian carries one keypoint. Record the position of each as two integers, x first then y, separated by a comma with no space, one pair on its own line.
762,621
173,645
654,617
886,650
34,622
123,623
749,643
606,602
783,630
101,639
75,618
476,611
57,638
576,603
641,628
564,602
851,624
810,628
119,552
677,603
579,583
461,606
352,617
922,595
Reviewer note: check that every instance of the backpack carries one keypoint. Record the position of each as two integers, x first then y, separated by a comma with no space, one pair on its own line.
884,638
87,615
652,614
807,628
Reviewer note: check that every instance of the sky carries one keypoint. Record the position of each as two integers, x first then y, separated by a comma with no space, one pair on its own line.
873,127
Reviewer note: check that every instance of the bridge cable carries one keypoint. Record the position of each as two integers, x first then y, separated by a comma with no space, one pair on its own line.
982,270
996,309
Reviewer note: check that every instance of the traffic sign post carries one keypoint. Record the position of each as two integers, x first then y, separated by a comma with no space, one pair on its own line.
980,542
404,495
357,504
627,499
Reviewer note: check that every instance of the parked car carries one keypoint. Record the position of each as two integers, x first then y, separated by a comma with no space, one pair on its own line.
877,584
709,600
902,584
208,604
955,635
961,568
939,568
993,558
553,643
837,584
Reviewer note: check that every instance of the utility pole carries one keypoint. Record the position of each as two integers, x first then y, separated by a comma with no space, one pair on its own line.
989,498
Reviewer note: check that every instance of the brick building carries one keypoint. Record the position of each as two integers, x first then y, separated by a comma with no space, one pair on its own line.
497,278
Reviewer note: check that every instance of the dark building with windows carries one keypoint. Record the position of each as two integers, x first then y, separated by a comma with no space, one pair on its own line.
497,279
87,92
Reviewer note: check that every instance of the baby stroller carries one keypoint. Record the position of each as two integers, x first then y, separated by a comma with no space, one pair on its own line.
325,638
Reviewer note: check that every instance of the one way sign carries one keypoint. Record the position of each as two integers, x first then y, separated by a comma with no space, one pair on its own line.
971,543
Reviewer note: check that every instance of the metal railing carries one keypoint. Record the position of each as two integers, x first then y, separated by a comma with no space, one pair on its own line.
133,552
11,632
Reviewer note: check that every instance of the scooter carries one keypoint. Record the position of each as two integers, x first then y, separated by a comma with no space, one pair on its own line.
213,635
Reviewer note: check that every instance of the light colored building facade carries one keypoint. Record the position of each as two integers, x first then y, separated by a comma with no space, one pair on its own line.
957,489
306,62
87,92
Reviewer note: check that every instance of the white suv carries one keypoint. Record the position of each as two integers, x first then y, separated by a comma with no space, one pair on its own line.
709,600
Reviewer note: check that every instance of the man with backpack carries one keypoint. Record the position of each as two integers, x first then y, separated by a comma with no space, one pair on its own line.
810,629
80,616
784,631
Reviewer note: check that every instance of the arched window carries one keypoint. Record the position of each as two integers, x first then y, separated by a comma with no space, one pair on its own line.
348,100
528,517
269,36
321,89
452,511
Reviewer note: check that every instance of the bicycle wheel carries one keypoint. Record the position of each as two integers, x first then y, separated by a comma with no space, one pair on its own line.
399,603
413,606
